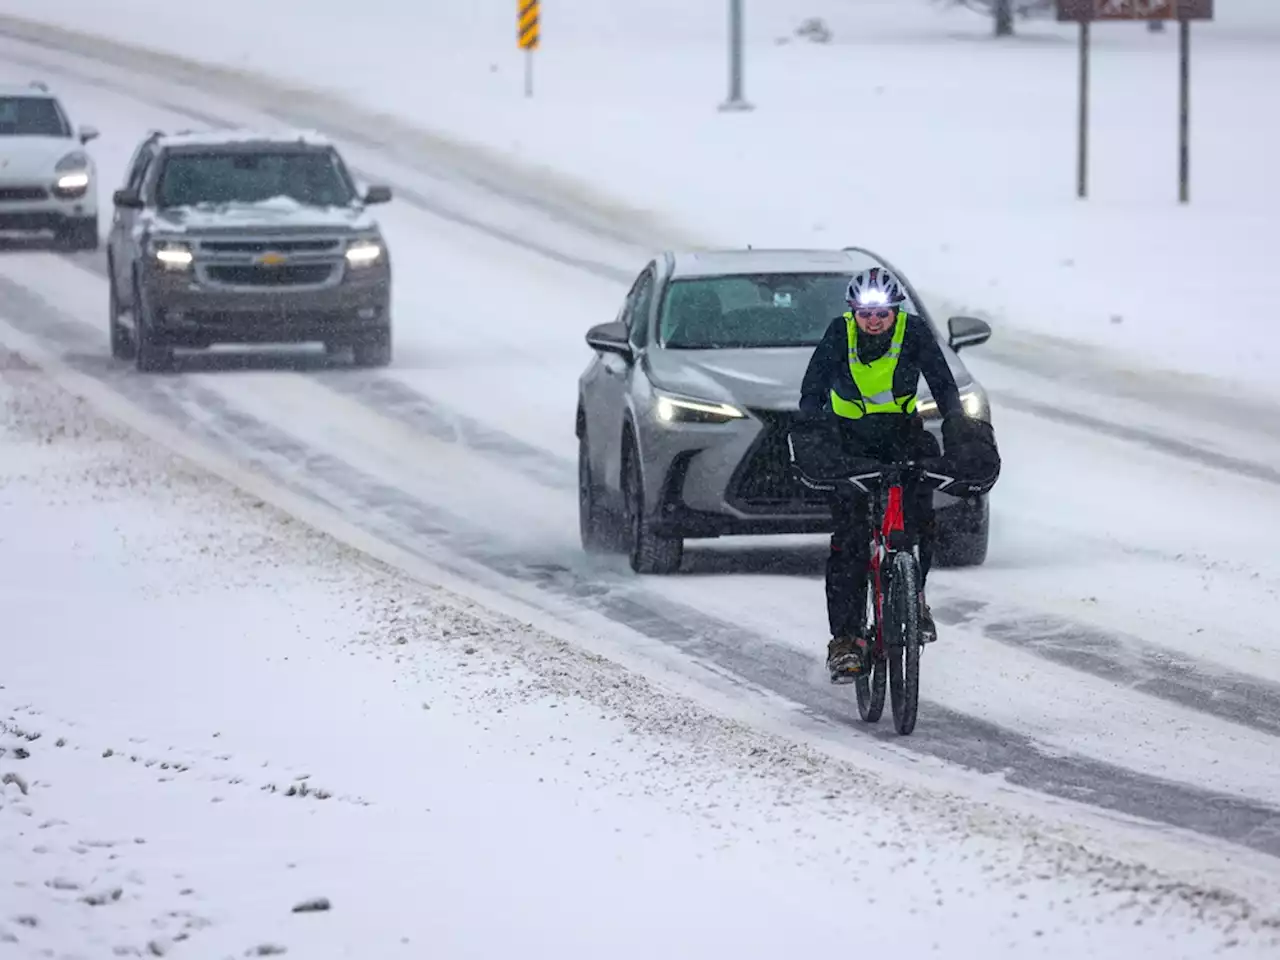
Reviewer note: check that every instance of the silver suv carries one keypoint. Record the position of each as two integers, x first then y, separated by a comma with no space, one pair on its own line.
684,411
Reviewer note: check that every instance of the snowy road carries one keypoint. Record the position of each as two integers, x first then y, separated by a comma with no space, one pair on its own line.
236,716
1116,649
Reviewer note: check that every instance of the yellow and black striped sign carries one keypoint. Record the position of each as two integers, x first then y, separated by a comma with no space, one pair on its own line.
528,32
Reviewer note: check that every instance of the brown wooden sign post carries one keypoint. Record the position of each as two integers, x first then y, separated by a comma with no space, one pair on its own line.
1085,12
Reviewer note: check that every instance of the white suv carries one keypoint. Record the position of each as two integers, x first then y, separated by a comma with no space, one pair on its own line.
47,181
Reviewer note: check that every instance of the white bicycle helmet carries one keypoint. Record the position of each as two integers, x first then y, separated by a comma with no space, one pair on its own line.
876,287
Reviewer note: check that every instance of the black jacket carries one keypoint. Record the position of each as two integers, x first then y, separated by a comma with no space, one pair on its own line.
921,355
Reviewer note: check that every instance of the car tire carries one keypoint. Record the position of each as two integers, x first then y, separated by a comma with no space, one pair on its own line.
648,552
80,234
964,535
149,356
373,352
597,529
121,344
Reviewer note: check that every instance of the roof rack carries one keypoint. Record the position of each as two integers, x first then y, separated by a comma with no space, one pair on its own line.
39,85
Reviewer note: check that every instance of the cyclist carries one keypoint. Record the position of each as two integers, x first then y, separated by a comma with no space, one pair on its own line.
865,372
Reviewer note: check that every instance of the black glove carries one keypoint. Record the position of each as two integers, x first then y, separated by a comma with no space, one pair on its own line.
971,448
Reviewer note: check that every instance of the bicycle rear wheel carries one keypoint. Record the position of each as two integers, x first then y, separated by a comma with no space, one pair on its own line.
902,638
870,686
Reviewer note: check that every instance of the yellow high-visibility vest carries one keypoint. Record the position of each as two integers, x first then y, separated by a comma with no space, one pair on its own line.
874,380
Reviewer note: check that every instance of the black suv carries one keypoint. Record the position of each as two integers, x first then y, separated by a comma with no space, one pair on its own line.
244,237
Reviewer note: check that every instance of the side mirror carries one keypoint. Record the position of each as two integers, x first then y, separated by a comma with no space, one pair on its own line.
128,199
967,332
611,338
88,133
378,194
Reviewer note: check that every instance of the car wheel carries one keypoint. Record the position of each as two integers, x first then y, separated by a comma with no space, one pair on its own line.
79,234
964,533
149,356
121,345
649,553
596,528
374,352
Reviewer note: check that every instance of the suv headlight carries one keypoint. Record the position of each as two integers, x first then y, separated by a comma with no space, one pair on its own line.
171,254
974,403
71,174
671,409
364,253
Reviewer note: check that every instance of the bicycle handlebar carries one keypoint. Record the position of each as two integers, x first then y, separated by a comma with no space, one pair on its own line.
933,471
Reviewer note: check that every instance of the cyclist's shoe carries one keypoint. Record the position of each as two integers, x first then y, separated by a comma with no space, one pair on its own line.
846,658
928,629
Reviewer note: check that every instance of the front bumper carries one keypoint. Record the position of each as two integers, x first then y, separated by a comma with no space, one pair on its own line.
735,479
30,207
194,308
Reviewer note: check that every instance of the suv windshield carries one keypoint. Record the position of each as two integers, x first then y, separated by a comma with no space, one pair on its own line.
32,117
313,178
744,311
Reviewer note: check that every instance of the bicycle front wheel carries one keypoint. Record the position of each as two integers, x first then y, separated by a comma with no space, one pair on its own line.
903,641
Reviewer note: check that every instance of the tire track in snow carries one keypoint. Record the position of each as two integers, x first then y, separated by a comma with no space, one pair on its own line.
1174,447
1199,685
388,396
759,662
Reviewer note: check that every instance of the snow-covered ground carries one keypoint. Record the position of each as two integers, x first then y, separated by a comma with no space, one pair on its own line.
1121,592
210,714
911,132
1113,651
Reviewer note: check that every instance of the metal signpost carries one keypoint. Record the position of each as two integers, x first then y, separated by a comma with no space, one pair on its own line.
1085,12
735,101
528,36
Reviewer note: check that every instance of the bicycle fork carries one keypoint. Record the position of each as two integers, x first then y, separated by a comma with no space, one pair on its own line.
890,538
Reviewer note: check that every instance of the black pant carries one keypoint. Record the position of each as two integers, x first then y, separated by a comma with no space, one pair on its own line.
851,539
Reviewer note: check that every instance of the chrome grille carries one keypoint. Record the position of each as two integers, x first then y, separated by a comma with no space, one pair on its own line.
270,262
270,246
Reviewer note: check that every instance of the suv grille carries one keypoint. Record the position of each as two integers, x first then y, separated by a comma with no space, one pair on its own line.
265,246
763,482
289,275
15,194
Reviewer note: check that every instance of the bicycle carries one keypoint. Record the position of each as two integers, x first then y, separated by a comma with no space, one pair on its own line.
893,574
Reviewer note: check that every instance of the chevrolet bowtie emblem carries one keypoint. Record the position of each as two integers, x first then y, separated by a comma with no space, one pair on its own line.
272,259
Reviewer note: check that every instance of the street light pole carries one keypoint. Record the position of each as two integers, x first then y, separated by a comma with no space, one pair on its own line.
736,102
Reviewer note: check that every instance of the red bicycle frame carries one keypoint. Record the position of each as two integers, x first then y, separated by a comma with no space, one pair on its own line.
893,521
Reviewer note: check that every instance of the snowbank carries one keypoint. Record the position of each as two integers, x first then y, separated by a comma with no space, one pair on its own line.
910,131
